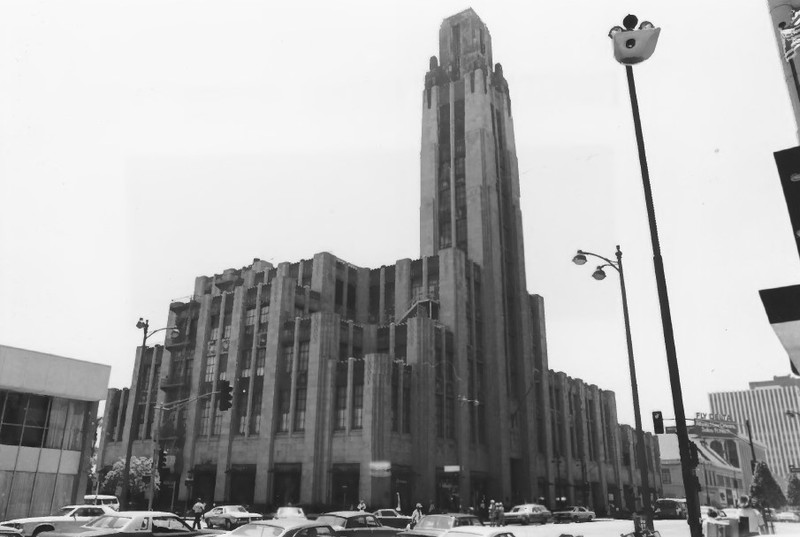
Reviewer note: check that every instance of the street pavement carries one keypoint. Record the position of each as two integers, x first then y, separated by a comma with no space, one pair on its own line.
615,528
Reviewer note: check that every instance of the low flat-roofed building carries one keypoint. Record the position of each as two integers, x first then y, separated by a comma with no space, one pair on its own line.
48,412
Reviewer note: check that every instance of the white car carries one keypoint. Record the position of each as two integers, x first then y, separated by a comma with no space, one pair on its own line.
68,516
787,516
479,531
290,512
229,516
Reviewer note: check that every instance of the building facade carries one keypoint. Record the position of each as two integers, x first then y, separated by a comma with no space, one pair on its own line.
724,471
765,406
48,419
427,378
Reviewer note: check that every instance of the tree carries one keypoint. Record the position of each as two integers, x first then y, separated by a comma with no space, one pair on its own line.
140,467
764,490
793,491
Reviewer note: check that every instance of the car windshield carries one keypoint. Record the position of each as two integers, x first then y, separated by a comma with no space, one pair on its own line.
64,511
253,530
569,508
435,522
237,509
331,520
108,522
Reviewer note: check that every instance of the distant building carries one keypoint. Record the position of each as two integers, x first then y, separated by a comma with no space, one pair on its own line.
426,378
765,405
48,412
724,471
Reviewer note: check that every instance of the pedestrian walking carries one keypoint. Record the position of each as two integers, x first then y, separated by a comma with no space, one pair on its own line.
416,515
198,508
492,513
501,514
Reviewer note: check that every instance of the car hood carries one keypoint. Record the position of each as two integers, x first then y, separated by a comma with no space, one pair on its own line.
39,519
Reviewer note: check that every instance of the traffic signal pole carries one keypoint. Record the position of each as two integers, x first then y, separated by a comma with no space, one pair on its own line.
224,404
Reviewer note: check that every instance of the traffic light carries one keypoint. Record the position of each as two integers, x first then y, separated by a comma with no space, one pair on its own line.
225,396
658,422
162,459
694,455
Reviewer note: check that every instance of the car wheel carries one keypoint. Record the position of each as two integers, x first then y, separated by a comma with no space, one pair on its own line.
228,524
40,529
575,519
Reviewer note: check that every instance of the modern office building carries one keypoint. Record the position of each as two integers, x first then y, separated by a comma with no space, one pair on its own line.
425,378
765,406
48,413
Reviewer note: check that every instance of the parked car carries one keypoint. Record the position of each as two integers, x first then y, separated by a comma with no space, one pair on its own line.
787,516
139,523
356,524
392,518
8,531
573,513
528,513
436,525
290,512
479,531
229,516
283,527
707,511
67,517
669,508
102,499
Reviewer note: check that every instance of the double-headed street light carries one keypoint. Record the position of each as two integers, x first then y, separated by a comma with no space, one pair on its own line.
133,399
632,46
641,455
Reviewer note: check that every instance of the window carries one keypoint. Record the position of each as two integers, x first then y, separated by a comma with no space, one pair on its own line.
250,316
666,477
300,409
283,405
340,418
223,367
261,360
263,314
217,422
24,419
211,362
255,419
302,358
288,354
358,406
205,417
246,363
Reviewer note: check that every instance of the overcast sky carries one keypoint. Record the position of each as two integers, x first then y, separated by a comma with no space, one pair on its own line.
143,144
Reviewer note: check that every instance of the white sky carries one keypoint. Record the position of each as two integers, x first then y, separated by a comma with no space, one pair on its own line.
145,143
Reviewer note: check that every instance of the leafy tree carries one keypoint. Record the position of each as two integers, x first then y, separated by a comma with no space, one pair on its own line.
764,490
793,491
140,467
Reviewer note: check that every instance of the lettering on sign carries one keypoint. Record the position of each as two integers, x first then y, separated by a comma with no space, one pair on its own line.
711,416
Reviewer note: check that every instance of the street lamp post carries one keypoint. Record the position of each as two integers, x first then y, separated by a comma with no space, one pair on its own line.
641,455
144,326
632,46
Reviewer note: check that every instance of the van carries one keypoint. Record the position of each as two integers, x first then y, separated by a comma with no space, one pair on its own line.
101,499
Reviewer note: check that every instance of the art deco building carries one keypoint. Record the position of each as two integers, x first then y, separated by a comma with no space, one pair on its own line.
426,378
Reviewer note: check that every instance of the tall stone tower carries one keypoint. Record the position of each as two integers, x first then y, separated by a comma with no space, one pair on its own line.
470,202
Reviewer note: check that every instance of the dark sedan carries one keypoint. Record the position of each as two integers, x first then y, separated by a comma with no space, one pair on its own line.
435,525
140,523
356,524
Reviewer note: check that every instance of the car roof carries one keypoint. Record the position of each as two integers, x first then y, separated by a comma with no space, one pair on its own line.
288,523
346,513
477,530
142,513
